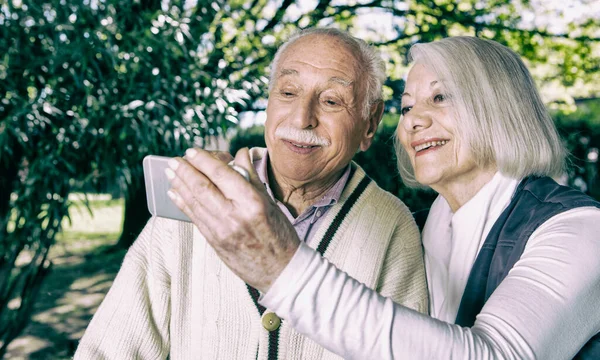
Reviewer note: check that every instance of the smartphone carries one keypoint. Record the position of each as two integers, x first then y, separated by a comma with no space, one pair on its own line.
157,185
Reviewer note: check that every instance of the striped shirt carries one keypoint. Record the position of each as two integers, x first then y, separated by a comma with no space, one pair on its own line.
308,222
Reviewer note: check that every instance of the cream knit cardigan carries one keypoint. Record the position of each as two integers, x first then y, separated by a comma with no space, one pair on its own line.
174,297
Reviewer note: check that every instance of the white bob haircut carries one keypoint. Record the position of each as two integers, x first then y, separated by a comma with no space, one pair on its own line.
371,65
500,115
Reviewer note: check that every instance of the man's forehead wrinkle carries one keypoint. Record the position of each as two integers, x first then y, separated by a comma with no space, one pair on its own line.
322,63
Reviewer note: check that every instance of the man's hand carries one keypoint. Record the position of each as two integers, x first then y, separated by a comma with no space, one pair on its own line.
237,218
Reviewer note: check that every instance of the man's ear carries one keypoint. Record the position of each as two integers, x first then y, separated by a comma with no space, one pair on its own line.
376,114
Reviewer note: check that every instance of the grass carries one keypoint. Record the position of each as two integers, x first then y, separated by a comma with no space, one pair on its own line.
106,218
82,274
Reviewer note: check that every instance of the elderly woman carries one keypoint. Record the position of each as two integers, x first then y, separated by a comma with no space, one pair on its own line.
512,258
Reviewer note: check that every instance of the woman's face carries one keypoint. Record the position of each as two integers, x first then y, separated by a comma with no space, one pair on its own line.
427,131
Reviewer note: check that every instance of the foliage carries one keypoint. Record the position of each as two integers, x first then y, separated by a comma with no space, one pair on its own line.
562,50
581,133
250,137
89,87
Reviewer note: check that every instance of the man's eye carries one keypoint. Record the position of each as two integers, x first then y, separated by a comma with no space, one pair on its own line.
287,93
405,109
330,102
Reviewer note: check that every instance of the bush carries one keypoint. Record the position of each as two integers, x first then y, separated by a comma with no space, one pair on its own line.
581,134
249,137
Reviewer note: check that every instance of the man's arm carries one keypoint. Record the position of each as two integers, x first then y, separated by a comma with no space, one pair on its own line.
133,320
403,273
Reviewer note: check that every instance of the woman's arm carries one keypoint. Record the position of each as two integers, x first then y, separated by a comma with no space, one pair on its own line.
546,308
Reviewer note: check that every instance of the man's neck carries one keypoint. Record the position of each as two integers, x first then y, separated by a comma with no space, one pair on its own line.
297,198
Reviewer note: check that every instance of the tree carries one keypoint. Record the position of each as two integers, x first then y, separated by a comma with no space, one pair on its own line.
91,87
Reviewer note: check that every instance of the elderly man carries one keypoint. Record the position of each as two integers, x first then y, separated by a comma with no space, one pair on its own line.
174,296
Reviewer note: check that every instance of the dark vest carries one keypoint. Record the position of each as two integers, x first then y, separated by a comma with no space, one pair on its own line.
535,201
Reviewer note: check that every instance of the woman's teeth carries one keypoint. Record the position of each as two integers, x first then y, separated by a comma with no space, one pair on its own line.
430,144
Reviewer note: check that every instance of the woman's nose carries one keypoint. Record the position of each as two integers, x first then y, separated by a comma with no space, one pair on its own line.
416,119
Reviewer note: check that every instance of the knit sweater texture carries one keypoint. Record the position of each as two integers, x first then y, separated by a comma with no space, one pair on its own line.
174,297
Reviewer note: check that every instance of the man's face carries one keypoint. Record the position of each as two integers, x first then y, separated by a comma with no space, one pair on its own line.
314,124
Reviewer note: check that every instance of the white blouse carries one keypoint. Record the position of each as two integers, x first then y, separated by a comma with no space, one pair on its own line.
453,240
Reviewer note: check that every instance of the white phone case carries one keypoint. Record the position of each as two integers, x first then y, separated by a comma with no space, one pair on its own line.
157,185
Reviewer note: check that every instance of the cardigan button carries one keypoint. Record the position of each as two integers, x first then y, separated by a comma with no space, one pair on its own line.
270,321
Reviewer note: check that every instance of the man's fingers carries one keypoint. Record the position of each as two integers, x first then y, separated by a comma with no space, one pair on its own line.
182,205
242,158
196,189
224,156
224,178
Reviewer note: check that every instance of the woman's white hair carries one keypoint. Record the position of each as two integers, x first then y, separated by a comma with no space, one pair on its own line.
500,115
371,65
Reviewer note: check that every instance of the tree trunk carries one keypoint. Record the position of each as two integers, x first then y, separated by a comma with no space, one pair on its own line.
8,176
135,214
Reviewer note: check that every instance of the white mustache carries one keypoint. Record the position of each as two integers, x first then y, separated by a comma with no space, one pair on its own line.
301,136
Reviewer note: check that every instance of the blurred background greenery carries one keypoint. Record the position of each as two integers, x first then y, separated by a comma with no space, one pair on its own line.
90,87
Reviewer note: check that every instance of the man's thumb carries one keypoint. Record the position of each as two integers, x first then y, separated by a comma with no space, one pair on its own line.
242,158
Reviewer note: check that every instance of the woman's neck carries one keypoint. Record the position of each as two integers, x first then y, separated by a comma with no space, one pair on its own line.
458,193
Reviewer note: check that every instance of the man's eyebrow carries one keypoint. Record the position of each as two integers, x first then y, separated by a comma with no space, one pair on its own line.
285,72
342,81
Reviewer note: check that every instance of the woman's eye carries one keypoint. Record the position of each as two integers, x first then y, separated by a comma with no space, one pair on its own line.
439,98
405,109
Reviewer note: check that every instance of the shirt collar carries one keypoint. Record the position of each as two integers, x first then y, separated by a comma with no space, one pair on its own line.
331,197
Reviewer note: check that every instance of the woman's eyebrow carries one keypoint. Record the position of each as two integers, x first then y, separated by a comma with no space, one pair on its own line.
432,84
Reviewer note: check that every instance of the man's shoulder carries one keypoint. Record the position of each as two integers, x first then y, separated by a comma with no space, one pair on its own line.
163,236
374,194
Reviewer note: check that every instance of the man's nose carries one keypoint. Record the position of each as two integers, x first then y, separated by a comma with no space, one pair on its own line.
305,114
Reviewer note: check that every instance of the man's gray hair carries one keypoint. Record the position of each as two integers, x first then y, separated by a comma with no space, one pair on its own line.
371,65
500,115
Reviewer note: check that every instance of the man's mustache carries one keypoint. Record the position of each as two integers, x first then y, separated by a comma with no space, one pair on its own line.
301,136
